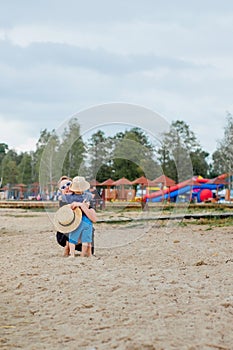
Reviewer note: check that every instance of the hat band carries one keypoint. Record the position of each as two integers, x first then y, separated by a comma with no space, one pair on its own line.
70,223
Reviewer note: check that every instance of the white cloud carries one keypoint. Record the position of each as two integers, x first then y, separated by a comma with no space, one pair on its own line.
173,58
28,145
184,36
16,134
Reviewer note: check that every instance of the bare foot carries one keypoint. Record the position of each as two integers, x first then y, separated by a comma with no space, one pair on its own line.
66,251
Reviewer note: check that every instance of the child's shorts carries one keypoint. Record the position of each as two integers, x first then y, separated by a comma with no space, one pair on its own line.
83,232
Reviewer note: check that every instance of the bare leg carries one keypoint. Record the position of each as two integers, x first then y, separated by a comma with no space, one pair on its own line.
84,249
66,249
72,249
89,253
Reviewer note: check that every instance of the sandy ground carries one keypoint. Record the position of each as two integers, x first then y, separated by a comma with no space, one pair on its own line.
147,287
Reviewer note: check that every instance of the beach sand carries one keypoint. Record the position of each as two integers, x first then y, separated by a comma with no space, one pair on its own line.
147,287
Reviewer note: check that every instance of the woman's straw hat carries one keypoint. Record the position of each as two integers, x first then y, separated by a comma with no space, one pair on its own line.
67,220
79,184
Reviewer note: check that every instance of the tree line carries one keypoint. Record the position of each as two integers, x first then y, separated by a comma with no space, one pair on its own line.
131,154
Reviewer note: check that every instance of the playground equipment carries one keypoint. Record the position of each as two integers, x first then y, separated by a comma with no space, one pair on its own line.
197,187
204,195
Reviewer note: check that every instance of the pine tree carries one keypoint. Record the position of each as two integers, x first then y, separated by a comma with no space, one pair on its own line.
180,153
223,156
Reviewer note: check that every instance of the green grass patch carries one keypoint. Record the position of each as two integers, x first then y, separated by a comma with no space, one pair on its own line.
213,222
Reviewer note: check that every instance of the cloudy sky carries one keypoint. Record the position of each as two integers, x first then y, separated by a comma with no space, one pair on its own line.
61,57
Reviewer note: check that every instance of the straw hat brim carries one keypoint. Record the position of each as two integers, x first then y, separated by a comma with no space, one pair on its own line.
70,227
79,184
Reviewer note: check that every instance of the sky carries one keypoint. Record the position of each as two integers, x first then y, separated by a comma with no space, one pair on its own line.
58,58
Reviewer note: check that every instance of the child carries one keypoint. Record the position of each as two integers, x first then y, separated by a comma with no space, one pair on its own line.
80,198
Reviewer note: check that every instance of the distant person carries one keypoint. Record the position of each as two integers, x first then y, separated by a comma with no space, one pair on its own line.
96,198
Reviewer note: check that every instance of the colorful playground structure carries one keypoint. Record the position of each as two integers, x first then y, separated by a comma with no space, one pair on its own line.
196,189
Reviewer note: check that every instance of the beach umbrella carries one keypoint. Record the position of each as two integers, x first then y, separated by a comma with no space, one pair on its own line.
19,189
122,182
108,183
141,181
94,183
164,180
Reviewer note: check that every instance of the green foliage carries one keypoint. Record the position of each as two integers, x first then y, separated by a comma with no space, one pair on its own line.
37,156
199,163
71,150
223,156
9,164
133,155
3,150
60,156
127,154
99,152
180,153
25,169
48,160
52,158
